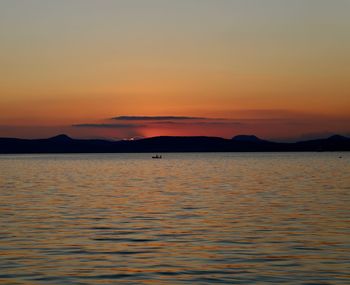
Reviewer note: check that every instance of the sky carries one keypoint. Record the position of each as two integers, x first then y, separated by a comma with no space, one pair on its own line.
124,69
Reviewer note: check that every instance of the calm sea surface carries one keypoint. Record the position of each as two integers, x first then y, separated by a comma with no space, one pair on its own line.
229,218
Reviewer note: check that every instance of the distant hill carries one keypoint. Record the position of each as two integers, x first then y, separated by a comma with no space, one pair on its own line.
242,143
60,138
247,138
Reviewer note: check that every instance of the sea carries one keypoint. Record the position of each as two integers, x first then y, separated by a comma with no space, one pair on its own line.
188,218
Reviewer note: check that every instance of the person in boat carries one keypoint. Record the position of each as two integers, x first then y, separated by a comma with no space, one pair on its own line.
157,156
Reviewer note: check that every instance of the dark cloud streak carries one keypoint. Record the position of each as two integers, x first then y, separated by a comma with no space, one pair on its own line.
156,118
109,126
206,123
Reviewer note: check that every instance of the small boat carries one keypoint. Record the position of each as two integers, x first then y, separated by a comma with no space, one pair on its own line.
157,157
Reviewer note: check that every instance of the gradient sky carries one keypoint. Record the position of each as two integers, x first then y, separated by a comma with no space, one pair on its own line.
275,68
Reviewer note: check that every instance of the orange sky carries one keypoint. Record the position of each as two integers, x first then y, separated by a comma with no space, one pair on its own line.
278,69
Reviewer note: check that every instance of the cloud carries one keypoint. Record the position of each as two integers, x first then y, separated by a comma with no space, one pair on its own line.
156,118
272,114
270,124
109,126
208,122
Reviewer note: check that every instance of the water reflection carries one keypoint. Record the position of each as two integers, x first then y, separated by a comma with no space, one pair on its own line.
194,218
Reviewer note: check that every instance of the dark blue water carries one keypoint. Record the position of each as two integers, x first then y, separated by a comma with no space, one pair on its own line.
186,219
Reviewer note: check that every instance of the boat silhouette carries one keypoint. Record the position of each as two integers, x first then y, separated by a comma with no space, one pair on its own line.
157,156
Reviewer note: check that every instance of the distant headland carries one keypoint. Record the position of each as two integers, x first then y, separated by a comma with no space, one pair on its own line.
240,143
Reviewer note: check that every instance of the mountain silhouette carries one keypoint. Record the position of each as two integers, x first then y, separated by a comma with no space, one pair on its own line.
247,138
61,138
242,143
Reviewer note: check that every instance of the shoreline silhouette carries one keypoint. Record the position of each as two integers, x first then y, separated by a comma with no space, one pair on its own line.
240,143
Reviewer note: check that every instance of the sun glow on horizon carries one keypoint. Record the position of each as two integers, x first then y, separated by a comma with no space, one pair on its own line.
273,68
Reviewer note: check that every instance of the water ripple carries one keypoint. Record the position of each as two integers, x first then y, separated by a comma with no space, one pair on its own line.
187,219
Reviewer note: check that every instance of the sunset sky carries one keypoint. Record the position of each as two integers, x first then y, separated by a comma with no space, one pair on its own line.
279,69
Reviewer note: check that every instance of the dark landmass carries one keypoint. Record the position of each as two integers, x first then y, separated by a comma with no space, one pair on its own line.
241,143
